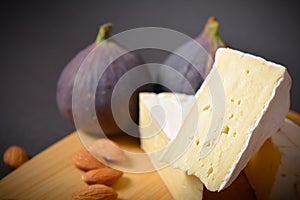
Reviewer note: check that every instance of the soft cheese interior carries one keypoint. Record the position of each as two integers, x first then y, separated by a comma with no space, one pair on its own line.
274,171
161,116
228,124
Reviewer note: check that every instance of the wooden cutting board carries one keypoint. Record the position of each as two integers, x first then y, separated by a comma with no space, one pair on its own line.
50,175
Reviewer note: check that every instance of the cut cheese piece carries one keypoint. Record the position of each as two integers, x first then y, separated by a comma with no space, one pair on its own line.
274,171
160,119
242,102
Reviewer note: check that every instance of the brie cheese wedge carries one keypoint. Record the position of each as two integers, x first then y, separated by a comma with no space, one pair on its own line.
161,116
274,171
242,102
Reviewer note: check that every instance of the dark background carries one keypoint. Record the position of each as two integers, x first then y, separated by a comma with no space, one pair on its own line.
38,38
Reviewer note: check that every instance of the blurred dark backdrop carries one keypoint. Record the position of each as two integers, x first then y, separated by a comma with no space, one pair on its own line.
38,38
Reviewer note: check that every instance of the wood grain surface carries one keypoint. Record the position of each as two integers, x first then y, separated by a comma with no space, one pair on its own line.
50,175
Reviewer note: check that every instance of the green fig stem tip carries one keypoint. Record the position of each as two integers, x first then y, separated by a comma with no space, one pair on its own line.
211,20
213,26
211,30
103,33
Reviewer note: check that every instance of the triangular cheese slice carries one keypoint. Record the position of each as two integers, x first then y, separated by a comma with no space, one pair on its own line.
242,102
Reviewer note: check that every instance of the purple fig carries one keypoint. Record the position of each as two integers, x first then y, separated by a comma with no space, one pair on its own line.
106,84
191,79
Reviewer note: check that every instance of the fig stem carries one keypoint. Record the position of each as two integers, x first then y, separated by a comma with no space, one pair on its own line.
103,33
212,29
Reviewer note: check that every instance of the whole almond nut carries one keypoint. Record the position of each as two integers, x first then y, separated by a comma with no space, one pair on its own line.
105,176
95,192
108,150
85,161
15,156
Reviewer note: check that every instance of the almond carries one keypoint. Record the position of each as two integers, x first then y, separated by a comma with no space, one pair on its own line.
85,161
105,176
95,192
15,156
108,150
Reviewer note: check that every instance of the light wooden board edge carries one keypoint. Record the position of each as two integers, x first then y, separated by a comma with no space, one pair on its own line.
294,116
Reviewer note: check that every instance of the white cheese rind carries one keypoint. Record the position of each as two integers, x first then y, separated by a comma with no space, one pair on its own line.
176,106
274,171
256,103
